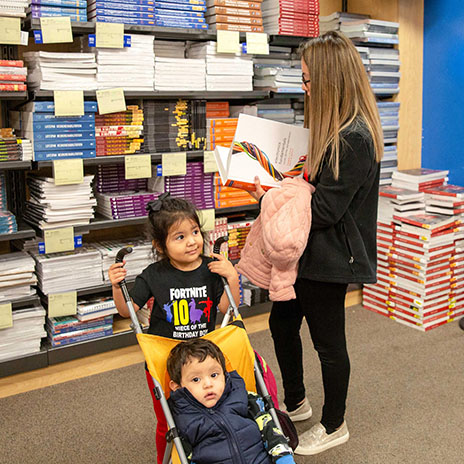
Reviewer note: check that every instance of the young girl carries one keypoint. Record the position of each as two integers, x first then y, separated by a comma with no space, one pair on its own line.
185,284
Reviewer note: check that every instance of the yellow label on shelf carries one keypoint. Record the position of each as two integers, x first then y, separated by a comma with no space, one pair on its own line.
138,166
228,41
56,29
256,43
69,102
109,35
207,218
62,304
10,31
209,162
57,240
174,164
6,316
68,171
111,100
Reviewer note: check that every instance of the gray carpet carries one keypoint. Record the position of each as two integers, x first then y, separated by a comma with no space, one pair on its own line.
405,405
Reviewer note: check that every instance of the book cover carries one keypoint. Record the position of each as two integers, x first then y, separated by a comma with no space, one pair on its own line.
431,222
268,149
455,191
420,175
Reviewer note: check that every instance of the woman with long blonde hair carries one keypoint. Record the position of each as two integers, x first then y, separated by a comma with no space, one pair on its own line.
343,164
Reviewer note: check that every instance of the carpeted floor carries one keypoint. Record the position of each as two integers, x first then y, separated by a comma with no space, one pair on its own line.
405,405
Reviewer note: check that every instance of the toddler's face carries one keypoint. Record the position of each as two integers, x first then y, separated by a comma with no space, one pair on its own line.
204,380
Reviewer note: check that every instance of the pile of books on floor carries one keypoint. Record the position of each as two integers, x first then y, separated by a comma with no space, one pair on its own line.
75,9
238,232
111,178
124,205
131,68
291,17
140,12
119,133
389,119
224,71
51,206
13,76
16,9
196,186
180,74
68,270
55,137
13,148
94,319
61,71
234,15
228,197
24,338
17,276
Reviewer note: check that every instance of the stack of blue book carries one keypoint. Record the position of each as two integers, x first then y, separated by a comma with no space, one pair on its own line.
75,9
56,137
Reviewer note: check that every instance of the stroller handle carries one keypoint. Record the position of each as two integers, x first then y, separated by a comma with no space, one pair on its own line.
218,243
122,253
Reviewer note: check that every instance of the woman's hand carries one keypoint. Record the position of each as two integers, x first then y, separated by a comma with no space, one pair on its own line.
259,191
117,273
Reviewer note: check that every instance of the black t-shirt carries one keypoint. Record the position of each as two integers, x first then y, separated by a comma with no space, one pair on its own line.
185,303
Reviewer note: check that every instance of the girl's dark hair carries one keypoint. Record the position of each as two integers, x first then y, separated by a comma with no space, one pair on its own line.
163,214
197,348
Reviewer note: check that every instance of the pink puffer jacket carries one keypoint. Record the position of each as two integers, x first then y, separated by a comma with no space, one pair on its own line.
278,238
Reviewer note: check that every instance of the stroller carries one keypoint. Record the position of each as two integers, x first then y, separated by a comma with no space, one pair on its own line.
234,343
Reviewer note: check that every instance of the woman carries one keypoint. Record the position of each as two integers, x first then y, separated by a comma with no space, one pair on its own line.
345,149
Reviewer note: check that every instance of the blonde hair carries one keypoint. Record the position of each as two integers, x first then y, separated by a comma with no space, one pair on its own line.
339,94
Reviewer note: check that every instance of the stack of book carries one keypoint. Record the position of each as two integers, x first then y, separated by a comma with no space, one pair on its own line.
179,74
389,118
370,31
123,205
419,179
384,70
282,111
234,15
8,223
227,197
224,72
446,199
55,137
25,336
51,206
61,71
68,270
189,14
210,237
15,9
298,108
221,131
196,186
169,49
217,109
291,17
119,133
333,21
142,255
13,148
111,178
238,232
13,76
17,276
399,201
251,293
140,12
131,68
75,9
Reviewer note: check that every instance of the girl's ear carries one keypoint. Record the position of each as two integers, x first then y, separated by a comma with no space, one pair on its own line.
156,246
173,385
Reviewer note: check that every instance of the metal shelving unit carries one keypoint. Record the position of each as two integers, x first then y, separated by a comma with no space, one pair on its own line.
17,165
24,231
13,95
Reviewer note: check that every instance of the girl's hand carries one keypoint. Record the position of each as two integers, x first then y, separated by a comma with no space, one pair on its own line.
259,191
223,267
117,273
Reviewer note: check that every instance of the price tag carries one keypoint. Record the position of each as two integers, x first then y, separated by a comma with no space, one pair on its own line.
109,35
111,100
228,41
174,164
209,162
207,219
69,171
57,240
10,31
62,304
69,102
138,166
257,43
6,316
56,29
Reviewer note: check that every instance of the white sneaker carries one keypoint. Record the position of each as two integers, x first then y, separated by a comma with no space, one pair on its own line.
302,412
316,440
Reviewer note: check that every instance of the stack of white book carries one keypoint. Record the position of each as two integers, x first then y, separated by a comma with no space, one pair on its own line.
281,111
51,206
368,30
61,71
141,256
419,179
131,68
25,336
333,21
446,199
389,118
69,270
14,8
169,49
223,71
179,74
16,276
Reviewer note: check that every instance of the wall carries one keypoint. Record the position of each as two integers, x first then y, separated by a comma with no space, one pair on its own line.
443,95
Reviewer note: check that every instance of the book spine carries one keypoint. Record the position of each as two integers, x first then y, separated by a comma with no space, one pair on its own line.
12,63
238,27
120,19
62,145
62,3
56,9
13,87
13,77
73,17
80,338
45,156
63,127
93,307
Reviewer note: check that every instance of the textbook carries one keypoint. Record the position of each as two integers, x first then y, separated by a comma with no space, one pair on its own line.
268,149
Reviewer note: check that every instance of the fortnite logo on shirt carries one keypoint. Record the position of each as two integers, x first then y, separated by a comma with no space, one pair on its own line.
185,293
183,310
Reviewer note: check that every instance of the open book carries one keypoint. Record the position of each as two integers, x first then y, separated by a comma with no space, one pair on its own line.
268,149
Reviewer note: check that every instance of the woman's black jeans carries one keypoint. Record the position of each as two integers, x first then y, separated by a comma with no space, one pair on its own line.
323,306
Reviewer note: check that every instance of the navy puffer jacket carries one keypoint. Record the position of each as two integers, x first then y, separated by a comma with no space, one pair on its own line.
223,434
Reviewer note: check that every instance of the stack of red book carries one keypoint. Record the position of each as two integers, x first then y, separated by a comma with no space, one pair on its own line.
13,76
419,179
238,232
291,17
445,199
